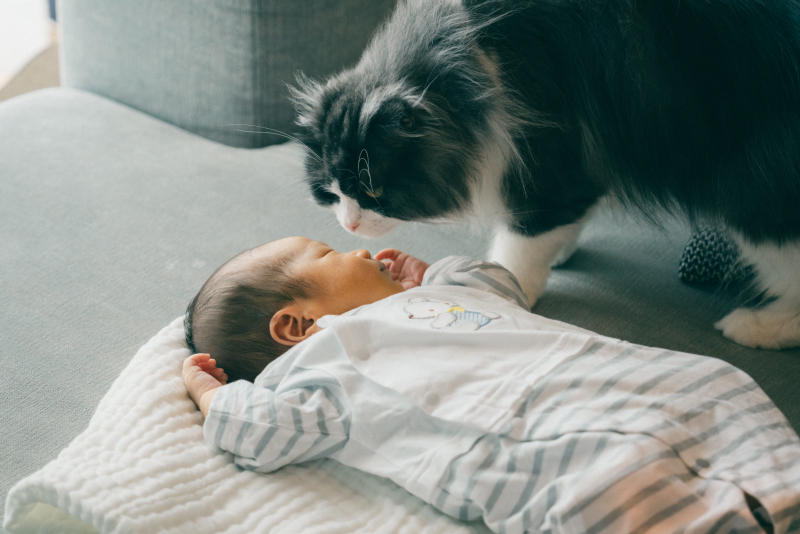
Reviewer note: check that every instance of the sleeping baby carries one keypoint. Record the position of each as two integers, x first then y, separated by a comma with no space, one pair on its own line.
438,378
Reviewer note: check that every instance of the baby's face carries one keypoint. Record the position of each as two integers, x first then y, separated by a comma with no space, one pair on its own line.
344,280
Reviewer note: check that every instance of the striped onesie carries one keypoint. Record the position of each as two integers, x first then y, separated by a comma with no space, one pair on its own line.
461,396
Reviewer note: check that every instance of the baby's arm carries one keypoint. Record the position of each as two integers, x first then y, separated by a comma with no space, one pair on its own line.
202,378
265,428
484,275
453,270
258,425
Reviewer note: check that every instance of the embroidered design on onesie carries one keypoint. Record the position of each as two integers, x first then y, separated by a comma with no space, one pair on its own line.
447,314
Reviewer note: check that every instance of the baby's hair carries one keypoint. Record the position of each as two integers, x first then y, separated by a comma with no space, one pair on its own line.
229,317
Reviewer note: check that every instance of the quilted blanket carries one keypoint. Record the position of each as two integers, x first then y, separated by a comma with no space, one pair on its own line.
141,466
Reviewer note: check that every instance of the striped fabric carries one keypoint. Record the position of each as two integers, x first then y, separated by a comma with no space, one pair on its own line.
483,275
527,423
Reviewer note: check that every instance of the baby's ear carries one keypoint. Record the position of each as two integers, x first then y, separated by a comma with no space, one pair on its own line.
289,326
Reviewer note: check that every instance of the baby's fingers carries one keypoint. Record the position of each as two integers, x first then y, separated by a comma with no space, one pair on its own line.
387,254
195,360
208,365
219,374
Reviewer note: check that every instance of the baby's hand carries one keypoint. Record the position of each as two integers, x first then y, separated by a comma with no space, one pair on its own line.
403,267
202,376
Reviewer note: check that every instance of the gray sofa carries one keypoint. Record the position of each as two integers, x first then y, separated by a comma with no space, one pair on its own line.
121,191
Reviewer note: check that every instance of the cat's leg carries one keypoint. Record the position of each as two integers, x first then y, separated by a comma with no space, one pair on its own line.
571,241
566,253
777,324
530,258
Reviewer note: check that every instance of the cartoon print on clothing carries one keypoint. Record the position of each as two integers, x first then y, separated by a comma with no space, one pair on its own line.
447,314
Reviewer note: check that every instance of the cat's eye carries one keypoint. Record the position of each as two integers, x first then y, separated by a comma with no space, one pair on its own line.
323,196
374,193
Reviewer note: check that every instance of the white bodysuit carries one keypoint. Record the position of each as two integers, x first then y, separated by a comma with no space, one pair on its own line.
467,400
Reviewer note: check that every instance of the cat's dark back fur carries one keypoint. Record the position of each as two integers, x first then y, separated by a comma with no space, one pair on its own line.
693,104
690,104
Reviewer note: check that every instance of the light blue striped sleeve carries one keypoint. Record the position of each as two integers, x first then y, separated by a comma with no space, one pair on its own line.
483,275
266,430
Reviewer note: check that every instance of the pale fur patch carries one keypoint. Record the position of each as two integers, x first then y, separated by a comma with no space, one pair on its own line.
358,221
528,258
776,325
531,258
491,164
496,156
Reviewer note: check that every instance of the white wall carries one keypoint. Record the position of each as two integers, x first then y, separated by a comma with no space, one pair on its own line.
25,31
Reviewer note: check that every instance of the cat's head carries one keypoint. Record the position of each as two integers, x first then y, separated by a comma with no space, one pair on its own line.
396,137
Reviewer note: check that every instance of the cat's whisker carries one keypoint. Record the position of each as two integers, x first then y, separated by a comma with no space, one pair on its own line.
363,157
372,192
425,90
265,130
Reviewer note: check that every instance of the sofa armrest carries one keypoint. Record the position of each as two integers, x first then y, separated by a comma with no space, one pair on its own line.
210,66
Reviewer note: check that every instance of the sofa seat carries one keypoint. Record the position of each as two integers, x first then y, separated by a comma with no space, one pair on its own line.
111,220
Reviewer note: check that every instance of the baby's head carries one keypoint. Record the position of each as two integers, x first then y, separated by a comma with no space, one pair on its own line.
266,299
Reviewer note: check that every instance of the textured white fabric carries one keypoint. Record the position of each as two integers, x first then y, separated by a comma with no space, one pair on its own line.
142,466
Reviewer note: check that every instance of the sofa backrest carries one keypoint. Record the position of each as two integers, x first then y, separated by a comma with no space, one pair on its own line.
218,68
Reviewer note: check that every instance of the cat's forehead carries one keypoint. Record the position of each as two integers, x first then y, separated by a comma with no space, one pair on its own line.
377,96
356,95
345,107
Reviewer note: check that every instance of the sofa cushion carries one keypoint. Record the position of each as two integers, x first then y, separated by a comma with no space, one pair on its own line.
218,68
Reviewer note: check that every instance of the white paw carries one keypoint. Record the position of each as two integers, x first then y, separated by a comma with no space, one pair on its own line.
762,328
529,258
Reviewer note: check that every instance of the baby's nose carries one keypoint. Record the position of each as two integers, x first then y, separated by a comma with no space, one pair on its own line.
363,253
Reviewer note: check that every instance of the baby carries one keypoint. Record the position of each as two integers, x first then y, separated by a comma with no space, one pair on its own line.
263,301
438,378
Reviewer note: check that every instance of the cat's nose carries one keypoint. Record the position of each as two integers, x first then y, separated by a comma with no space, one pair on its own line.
352,226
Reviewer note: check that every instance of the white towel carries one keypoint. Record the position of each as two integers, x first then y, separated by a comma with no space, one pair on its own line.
141,467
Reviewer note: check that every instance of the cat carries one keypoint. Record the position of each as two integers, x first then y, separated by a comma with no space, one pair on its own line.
528,112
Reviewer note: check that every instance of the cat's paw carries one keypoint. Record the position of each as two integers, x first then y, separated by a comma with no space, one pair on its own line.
764,328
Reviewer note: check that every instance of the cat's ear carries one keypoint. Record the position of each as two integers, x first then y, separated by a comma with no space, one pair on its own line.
408,121
306,95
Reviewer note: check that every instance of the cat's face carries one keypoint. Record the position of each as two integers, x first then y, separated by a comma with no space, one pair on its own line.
381,153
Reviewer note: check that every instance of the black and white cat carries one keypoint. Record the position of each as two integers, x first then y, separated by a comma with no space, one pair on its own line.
529,111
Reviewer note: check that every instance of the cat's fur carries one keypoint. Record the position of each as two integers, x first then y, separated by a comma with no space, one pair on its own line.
528,111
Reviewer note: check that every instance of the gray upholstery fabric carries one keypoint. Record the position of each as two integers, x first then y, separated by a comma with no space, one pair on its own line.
211,66
110,220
